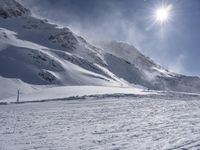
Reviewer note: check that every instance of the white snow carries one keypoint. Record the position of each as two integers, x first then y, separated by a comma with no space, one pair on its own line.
8,37
111,124
48,55
75,91
109,111
9,87
36,59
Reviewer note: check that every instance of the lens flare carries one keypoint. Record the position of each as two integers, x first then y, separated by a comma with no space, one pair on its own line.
162,14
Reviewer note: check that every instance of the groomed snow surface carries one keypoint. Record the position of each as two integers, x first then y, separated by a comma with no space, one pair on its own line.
102,123
75,92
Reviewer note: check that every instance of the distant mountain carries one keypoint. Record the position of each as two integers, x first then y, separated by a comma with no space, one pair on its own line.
35,54
136,68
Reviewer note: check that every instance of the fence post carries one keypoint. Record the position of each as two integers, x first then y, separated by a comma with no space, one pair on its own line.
18,96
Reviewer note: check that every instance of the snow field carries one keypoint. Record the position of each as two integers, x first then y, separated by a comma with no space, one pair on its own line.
110,123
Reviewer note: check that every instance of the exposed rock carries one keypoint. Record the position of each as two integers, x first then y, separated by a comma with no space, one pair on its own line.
11,8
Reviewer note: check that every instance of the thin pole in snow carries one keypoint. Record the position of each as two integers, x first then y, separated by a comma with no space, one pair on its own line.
18,96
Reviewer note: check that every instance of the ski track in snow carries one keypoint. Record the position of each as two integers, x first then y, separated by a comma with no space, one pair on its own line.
110,123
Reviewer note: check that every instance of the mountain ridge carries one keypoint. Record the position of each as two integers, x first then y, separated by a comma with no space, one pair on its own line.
51,56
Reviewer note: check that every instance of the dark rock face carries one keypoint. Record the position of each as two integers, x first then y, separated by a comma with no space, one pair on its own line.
66,39
45,75
11,8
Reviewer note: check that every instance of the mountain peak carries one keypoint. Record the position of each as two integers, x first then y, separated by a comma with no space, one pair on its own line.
11,8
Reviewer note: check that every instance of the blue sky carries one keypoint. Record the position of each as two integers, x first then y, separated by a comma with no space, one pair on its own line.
175,45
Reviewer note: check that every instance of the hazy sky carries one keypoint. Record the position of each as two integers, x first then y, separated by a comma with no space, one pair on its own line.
175,45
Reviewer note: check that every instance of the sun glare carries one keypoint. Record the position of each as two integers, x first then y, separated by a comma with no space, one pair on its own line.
162,14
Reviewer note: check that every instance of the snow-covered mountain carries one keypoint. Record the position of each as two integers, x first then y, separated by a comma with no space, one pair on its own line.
35,54
141,70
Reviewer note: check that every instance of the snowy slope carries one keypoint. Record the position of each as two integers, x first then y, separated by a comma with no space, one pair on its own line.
38,54
41,65
76,92
35,54
136,68
38,65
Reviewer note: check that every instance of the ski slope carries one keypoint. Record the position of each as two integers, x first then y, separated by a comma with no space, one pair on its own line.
109,123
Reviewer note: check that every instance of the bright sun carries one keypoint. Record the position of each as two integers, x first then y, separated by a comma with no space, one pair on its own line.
162,14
